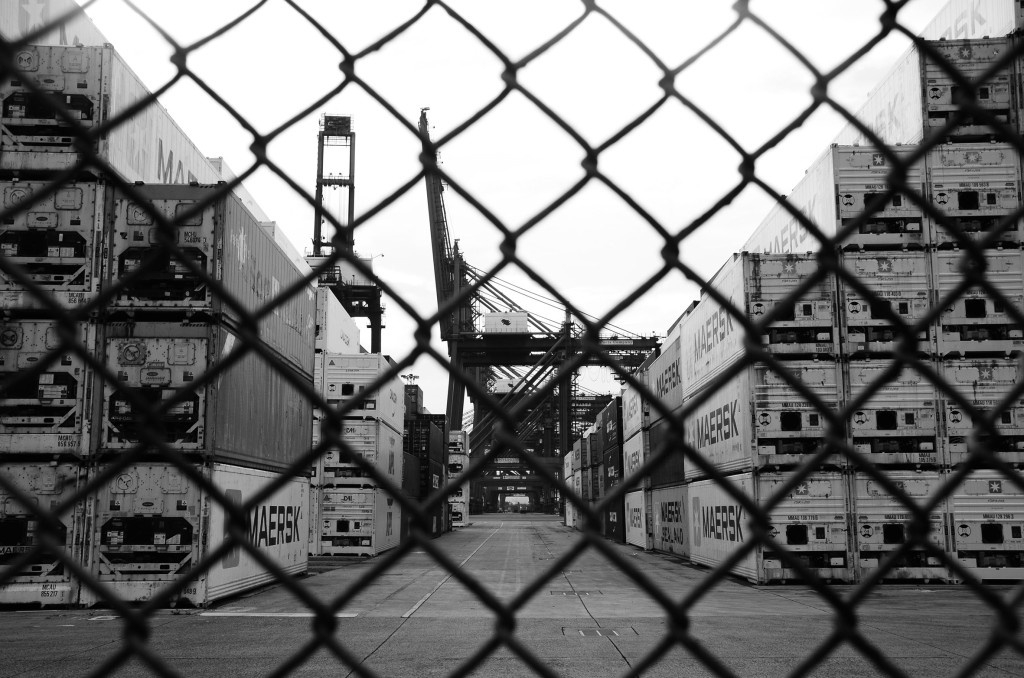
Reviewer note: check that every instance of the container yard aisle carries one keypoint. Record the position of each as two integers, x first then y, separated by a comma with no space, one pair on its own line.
588,620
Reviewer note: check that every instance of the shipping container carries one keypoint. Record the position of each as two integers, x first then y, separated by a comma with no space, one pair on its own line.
665,378
54,239
96,86
975,323
154,525
410,477
336,331
593,446
670,520
359,522
314,517
585,487
636,519
223,240
574,458
45,409
46,580
344,378
986,512
634,454
976,187
897,424
671,469
971,19
458,510
758,419
373,441
18,18
424,437
610,420
987,386
884,523
837,191
711,339
513,322
633,409
613,520
156,362
901,285
810,522
917,98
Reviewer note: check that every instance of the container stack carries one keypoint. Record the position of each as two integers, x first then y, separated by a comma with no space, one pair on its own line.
571,476
634,453
458,461
357,515
162,329
613,517
424,439
871,351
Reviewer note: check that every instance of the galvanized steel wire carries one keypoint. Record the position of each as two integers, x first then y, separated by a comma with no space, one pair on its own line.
137,618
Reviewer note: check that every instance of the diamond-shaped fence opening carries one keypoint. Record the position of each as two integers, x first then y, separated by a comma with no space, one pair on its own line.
842,402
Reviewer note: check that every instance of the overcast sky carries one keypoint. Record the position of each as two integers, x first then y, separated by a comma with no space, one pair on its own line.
595,249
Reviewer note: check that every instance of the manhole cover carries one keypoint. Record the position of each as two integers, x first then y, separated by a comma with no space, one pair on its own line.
604,633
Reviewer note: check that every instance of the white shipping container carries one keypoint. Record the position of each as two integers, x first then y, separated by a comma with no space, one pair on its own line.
633,410
883,523
345,378
47,412
97,85
336,331
712,340
46,580
976,186
987,526
153,525
901,285
666,379
573,517
18,18
974,323
985,384
54,240
811,522
574,459
897,424
968,19
459,510
513,322
671,520
758,419
375,442
636,519
836,192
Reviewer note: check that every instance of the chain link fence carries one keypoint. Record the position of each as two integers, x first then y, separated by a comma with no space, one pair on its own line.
972,263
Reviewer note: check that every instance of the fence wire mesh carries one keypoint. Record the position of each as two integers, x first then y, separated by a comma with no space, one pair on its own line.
970,262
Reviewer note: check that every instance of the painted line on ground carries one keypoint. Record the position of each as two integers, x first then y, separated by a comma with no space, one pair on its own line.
441,583
272,614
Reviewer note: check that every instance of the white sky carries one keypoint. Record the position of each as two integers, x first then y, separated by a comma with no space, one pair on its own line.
595,249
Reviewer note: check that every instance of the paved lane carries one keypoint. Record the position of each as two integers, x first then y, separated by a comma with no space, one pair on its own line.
588,619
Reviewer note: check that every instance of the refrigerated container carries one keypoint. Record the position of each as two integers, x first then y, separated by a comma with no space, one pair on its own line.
901,285
670,470
976,187
898,423
336,331
373,441
45,411
343,378
610,421
991,387
613,520
634,454
970,19
634,414
975,323
359,522
46,580
758,419
96,86
636,519
811,522
221,421
855,186
986,513
665,379
18,19
153,525
755,284
55,239
227,244
671,520
918,98
883,523
574,458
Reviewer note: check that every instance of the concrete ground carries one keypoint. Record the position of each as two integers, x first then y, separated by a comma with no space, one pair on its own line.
586,619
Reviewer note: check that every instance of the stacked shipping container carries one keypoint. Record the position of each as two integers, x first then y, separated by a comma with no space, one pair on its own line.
165,251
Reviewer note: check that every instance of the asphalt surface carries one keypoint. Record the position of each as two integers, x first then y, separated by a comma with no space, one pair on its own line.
587,619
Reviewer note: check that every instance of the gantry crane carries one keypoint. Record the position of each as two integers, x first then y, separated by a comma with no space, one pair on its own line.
474,354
